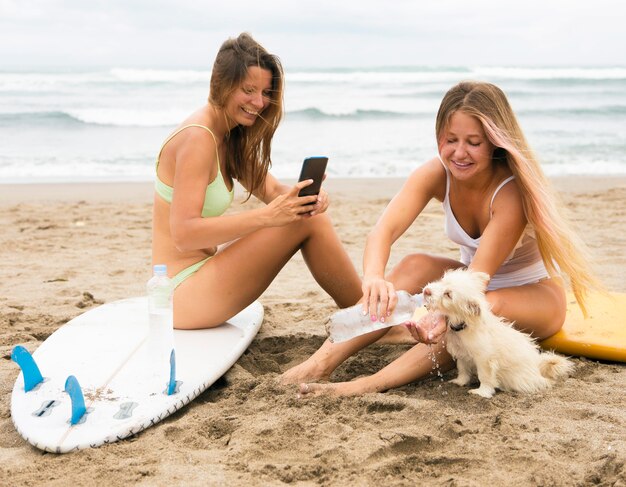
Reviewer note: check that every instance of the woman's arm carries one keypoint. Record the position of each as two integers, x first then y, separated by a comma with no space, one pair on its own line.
425,183
274,189
271,190
503,231
195,161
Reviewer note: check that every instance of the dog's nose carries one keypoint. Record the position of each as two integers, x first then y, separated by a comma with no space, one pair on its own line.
427,292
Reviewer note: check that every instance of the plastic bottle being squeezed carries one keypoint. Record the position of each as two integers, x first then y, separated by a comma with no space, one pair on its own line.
351,322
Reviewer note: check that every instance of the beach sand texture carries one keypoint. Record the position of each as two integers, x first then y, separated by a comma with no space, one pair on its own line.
67,248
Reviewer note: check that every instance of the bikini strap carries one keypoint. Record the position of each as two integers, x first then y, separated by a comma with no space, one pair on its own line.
186,127
510,178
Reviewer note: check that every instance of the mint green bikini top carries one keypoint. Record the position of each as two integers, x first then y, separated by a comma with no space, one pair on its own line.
217,198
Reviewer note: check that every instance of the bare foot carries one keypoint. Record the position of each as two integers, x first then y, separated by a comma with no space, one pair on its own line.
308,390
397,335
309,370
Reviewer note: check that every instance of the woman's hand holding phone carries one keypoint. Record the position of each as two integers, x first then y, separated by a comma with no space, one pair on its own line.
289,207
321,204
314,170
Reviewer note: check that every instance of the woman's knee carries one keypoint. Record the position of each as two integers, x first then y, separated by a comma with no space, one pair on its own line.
310,226
496,303
414,271
425,266
556,318
414,264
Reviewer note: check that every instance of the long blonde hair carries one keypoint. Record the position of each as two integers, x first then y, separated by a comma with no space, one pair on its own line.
558,244
248,149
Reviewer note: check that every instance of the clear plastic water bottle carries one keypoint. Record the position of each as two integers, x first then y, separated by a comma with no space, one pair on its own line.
160,341
350,322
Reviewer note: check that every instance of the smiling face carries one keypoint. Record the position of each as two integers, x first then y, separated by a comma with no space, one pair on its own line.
250,98
465,148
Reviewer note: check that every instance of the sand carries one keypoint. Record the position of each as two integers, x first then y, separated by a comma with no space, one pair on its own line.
67,248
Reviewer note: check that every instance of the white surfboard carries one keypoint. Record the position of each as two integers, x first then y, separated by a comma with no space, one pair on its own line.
104,349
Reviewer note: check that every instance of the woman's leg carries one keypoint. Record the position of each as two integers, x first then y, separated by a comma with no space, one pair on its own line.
411,274
544,318
414,271
240,272
546,315
413,365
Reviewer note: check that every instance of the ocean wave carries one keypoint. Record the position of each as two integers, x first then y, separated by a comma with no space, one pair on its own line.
122,117
313,113
135,118
41,82
435,75
555,74
178,76
607,110
116,77
38,118
62,81
366,77
167,118
358,114
96,117
132,118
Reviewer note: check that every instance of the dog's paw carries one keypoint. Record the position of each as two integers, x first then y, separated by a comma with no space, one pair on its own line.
486,392
460,381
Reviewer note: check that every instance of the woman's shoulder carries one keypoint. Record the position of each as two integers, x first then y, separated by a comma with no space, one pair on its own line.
198,127
192,146
507,193
432,167
193,135
428,179
431,171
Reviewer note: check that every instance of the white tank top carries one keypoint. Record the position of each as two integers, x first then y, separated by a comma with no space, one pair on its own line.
523,266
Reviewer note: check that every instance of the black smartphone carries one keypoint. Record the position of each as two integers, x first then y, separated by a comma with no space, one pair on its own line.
313,168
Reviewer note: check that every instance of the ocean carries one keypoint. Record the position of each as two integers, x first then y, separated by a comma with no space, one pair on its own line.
108,125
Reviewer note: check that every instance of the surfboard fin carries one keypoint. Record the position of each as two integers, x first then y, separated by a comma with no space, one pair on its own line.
72,387
171,386
30,371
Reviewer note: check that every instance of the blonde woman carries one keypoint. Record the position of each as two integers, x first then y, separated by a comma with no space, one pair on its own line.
498,208
221,263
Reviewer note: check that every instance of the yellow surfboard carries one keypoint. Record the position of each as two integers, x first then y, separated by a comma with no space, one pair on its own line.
601,336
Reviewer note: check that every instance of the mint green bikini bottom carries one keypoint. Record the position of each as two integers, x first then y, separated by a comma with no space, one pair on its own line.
179,278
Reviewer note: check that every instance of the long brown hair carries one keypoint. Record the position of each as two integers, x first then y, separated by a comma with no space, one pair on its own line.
248,149
559,245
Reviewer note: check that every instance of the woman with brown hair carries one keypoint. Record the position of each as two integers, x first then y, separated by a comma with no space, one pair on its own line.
221,263
499,208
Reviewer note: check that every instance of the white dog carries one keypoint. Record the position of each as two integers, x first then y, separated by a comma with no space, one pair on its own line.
503,357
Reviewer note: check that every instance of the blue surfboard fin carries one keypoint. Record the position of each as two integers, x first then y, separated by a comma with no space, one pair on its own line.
72,387
30,371
171,386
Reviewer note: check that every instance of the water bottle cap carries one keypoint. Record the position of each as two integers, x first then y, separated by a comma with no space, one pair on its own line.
160,270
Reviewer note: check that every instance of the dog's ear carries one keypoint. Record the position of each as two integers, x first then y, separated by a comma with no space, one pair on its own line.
472,307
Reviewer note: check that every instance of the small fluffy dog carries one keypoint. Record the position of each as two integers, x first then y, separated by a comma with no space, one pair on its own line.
503,357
